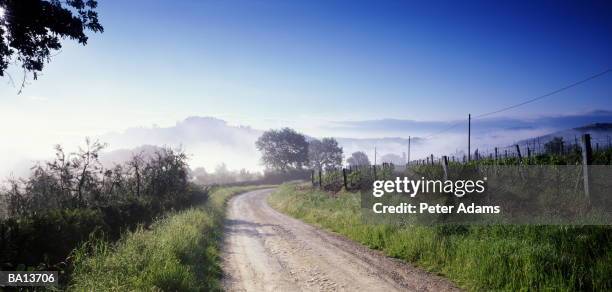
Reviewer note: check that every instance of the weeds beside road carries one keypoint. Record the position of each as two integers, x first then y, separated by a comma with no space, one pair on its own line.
495,257
178,253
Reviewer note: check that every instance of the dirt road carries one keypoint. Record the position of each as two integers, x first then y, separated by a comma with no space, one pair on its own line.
269,251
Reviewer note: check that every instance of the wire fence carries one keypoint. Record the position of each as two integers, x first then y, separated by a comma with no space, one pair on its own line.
581,151
530,149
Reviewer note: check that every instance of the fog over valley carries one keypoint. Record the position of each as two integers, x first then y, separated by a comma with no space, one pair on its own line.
210,141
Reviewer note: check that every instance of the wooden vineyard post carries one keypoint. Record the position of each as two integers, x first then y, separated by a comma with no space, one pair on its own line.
312,172
528,155
432,160
320,179
344,177
587,159
445,166
576,143
469,137
374,155
562,147
518,152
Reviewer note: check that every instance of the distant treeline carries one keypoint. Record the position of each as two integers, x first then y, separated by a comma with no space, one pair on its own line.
222,175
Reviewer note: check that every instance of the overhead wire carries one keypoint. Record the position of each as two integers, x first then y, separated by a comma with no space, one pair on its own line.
528,101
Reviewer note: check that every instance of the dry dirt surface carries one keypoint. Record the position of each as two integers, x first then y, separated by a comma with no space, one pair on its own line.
266,250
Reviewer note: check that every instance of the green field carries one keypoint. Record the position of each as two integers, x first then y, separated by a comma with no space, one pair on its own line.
179,252
500,257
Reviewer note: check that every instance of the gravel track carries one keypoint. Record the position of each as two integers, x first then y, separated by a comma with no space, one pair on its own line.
266,250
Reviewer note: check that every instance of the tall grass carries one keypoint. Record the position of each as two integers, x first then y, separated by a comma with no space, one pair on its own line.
497,257
178,253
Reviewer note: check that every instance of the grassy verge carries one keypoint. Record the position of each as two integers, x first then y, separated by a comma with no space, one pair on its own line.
507,257
178,253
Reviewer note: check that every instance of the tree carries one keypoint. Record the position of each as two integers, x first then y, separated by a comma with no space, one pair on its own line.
76,173
30,30
136,164
87,164
358,158
166,173
324,154
283,149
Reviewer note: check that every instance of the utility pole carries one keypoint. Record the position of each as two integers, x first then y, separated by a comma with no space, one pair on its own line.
375,155
408,159
469,136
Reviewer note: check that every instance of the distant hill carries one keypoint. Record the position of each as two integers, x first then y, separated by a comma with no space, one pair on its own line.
596,127
600,133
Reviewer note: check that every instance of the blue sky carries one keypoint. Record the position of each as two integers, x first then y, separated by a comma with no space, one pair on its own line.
289,60
355,59
308,63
